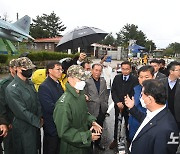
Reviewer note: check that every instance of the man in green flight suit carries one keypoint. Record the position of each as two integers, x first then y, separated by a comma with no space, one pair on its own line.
22,99
4,109
72,118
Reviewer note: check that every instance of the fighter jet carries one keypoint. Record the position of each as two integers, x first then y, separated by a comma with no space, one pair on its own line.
16,31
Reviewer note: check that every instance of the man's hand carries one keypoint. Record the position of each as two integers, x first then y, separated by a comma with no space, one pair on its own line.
95,136
4,130
120,106
86,97
129,102
96,127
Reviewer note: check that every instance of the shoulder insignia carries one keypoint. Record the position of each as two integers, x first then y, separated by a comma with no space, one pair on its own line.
62,98
14,85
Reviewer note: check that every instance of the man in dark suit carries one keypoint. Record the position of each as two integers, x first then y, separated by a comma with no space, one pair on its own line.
157,75
49,92
158,132
163,68
123,84
172,85
97,103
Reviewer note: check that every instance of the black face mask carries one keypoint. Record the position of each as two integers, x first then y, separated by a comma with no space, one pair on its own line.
27,73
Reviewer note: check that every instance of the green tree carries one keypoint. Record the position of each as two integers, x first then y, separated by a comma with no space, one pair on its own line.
168,51
109,40
175,46
131,32
46,26
150,45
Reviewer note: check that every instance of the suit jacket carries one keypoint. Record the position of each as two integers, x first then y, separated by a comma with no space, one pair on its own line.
176,98
160,75
155,135
121,88
49,92
96,100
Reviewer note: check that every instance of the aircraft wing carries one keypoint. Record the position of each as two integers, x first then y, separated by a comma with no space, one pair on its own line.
15,32
19,29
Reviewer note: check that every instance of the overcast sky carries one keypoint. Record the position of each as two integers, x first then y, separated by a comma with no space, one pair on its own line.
158,19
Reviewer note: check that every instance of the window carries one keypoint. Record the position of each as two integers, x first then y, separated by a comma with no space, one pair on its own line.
46,46
49,46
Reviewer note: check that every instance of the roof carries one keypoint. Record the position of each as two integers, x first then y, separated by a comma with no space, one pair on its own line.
47,40
103,46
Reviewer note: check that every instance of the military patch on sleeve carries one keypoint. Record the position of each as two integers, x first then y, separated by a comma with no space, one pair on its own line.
62,98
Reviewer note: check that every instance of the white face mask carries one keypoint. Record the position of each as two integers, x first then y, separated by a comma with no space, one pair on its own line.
80,85
142,103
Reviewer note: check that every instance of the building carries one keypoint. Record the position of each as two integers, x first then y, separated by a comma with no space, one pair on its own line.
41,44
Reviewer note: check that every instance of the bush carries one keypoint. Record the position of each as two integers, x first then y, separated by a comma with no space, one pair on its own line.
3,58
42,56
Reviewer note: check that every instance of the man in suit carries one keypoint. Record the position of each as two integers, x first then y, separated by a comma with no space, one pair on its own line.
172,85
158,132
144,73
157,75
96,91
123,84
49,92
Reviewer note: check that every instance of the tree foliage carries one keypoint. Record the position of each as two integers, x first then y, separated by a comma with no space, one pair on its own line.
109,40
131,32
150,45
172,49
46,26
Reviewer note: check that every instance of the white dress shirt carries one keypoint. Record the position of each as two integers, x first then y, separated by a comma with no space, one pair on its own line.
171,83
148,117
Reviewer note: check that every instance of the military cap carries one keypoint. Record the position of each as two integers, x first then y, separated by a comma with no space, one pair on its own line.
77,71
13,63
25,62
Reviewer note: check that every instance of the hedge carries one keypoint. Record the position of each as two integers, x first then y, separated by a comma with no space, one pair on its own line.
3,58
42,56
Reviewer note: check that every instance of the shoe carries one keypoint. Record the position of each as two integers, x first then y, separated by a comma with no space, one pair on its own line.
107,114
113,144
100,147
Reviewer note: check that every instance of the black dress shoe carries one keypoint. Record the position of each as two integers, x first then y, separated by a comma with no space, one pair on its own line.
100,147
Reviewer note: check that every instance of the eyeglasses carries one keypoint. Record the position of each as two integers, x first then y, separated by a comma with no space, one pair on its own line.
60,70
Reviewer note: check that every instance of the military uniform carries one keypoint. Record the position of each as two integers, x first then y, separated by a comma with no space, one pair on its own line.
22,99
6,113
72,118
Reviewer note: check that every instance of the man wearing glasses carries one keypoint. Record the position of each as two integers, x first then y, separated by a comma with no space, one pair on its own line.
49,92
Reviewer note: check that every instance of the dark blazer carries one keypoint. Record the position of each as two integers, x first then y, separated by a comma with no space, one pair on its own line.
49,92
121,88
160,75
176,99
96,100
155,135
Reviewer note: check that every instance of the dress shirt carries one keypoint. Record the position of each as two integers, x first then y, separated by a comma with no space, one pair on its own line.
171,83
155,74
125,77
148,117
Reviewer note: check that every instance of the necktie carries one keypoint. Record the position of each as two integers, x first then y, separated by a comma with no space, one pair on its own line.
124,78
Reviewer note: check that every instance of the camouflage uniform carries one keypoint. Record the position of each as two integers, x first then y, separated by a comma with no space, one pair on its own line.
72,118
22,99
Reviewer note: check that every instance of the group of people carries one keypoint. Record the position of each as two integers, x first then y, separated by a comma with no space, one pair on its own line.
70,102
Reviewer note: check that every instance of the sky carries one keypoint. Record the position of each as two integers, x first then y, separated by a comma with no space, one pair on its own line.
158,19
